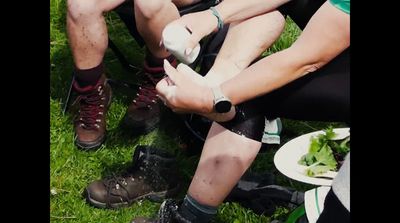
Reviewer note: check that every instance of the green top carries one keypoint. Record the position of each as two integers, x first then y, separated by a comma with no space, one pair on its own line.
343,5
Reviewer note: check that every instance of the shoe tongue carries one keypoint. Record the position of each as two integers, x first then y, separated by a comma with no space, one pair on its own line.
143,154
143,157
152,158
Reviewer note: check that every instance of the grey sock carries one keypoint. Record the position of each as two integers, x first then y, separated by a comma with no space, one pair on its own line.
195,212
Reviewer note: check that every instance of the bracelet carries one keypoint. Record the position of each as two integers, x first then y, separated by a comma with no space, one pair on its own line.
216,14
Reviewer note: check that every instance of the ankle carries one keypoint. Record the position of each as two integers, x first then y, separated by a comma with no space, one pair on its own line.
91,76
195,212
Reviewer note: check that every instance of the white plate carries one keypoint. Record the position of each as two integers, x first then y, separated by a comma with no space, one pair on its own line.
287,157
314,200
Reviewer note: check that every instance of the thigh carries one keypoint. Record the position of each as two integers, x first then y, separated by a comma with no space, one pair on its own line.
320,96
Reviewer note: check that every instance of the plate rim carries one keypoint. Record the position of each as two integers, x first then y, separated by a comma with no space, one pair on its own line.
294,174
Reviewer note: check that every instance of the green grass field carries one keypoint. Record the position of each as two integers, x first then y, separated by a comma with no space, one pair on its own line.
71,169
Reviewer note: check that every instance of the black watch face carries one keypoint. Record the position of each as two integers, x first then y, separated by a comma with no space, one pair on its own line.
223,106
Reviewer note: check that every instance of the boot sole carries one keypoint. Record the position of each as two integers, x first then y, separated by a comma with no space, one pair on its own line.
91,146
152,196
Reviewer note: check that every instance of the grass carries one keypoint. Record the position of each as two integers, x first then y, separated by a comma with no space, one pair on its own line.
71,170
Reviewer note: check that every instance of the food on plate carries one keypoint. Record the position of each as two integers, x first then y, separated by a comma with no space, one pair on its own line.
326,153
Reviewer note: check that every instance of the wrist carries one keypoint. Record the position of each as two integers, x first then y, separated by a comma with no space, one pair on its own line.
208,100
215,13
221,104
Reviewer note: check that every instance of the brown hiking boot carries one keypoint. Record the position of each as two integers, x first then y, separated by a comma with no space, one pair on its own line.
144,112
90,120
154,175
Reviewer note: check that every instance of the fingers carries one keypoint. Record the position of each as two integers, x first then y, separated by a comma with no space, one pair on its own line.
172,73
162,88
183,68
193,75
192,42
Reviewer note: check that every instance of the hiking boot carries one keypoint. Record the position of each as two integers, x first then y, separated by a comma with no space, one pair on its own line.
259,193
153,175
168,213
144,112
90,120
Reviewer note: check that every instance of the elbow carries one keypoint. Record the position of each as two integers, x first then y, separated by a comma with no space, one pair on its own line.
306,64
307,61
310,67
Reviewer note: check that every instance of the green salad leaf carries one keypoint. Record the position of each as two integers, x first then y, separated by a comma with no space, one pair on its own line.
323,152
319,169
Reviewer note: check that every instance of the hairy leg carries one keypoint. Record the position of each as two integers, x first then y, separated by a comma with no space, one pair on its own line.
87,30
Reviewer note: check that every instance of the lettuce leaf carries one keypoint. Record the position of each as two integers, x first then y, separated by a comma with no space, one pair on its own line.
320,156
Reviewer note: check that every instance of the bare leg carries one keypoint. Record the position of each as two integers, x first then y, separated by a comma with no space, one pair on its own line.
151,18
87,30
227,155
238,52
224,159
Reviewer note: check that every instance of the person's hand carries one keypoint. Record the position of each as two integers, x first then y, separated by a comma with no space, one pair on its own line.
200,24
185,91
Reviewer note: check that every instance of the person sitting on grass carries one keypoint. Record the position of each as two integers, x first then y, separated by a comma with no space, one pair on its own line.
88,39
275,85
307,81
235,55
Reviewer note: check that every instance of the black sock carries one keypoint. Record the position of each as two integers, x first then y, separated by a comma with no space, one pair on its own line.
89,76
195,212
153,61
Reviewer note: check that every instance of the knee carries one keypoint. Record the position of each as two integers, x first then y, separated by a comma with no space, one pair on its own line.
241,161
279,19
78,9
150,8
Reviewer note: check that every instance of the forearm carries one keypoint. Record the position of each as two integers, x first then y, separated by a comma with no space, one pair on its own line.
326,36
236,10
264,76
235,54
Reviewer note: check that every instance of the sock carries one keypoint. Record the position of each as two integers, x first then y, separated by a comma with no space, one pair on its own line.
195,212
153,61
89,76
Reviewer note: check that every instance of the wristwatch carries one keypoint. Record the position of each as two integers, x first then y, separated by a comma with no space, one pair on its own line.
222,104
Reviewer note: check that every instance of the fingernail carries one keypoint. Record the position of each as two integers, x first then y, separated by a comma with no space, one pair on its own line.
188,51
160,43
166,62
